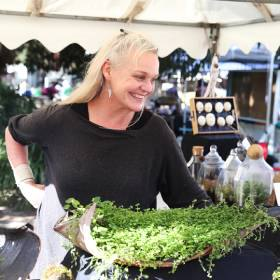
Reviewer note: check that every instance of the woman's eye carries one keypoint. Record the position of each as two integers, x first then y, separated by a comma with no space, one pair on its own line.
140,78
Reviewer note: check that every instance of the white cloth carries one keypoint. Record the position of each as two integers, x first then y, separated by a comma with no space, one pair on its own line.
52,244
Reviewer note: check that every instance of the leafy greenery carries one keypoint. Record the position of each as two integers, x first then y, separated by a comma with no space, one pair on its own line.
13,104
129,236
276,274
58,272
6,57
258,192
180,60
225,193
72,59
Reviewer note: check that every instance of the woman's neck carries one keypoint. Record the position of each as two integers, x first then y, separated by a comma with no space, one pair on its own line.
103,112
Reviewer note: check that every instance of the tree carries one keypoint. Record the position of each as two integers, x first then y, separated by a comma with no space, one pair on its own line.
180,60
13,104
6,57
35,57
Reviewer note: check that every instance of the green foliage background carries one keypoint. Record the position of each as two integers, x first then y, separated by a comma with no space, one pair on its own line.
12,104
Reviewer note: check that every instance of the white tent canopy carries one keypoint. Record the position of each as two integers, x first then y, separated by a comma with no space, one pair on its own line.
170,24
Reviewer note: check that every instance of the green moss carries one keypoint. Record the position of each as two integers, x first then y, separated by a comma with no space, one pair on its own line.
129,235
57,272
257,192
276,274
225,193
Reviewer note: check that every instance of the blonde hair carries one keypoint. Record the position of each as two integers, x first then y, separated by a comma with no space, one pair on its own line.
115,50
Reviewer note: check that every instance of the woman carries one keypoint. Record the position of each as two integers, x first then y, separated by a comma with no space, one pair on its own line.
102,142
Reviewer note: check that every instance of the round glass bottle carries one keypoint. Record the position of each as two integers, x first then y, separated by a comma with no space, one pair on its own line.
225,189
195,162
210,170
241,151
254,178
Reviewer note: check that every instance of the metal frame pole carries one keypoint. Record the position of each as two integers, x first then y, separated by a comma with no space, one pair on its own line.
269,91
276,109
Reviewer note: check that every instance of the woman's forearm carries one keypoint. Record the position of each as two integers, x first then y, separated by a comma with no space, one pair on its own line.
18,158
16,152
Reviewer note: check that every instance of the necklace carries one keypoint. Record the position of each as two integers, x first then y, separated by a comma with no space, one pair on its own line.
131,123
137,119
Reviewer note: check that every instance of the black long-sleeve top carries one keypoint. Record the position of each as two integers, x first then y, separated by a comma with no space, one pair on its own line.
131,166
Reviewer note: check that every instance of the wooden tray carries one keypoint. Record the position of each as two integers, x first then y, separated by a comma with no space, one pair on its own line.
215,129
78,232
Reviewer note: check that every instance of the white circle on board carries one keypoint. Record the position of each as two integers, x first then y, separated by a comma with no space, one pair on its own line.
229,120
227,106
219,107
208,107
201,120
221,121
199,106
210,119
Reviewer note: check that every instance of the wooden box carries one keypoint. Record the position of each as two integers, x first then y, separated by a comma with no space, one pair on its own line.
212,115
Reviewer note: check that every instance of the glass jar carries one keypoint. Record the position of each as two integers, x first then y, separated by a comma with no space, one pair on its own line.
273,200
224,191
276,185
241,151
210,171
254,178
195,162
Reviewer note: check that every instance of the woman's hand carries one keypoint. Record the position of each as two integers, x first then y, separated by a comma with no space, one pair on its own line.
34,193
18,158
33,184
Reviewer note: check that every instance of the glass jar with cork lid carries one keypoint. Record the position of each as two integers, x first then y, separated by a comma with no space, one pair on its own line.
225,189
254,179
210,171
195,162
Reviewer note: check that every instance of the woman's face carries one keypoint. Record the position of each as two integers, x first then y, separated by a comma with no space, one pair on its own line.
132,81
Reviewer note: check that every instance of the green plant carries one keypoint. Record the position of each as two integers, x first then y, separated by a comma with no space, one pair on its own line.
225,193
255,191
276,274
58,272
129,236
12,104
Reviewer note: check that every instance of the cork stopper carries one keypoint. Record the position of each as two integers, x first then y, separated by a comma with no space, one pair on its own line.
255,151
197,150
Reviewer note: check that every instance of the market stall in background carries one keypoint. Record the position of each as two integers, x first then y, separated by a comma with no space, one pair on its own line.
195,26
218,90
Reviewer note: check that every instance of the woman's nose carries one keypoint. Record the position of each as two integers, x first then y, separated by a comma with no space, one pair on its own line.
148,86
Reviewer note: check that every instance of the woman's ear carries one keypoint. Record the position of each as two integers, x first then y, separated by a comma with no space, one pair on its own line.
106,69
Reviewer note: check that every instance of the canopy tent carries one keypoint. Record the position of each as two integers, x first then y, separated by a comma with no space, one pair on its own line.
193,25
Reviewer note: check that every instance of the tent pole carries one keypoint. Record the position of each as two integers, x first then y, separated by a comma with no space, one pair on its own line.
269,92
276,109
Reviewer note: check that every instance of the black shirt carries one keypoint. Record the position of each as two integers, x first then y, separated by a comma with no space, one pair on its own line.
131,166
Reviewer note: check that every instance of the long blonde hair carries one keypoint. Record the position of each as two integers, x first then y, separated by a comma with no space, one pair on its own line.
114,50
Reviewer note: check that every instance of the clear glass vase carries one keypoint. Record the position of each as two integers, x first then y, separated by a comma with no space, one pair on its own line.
195,162
224,191
254,178
210,171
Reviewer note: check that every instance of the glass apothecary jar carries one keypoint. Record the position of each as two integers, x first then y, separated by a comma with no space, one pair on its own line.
241,151
195,162
254,178
210,171
225,188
